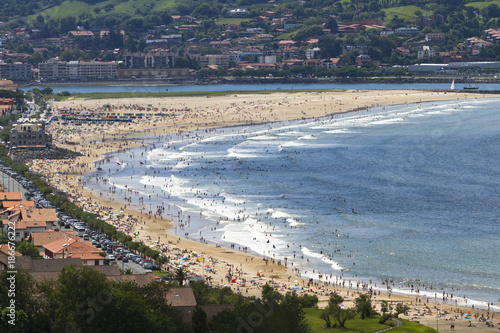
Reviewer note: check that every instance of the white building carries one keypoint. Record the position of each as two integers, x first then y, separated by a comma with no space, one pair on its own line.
238,12
426,52
406,31
310,53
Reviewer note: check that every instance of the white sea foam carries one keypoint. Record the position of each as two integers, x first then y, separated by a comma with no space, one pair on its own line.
335,265
255,235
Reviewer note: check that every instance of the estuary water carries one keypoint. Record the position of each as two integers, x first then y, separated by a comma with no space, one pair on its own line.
408,194
261,86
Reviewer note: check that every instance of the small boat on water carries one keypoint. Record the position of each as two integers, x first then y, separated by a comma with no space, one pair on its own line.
471,87
452,85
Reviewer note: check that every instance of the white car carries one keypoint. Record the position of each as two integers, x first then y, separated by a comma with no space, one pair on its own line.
111,257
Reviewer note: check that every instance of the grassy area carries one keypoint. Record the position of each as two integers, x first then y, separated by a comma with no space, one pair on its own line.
234,20
77,8
67,8
187,93
162,273
404,12
411,326
357,325
483,4
285,36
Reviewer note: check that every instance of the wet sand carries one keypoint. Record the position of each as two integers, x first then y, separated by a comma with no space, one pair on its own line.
222,265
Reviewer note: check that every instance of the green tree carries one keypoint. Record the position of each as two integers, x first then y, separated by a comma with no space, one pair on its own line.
199,320
71,54
5,134
40,20
270,294
400,308
334,314
363,305
29,309
28,249
289,316
78,300
386,314
36,58
47,91
161,260
331,23
66,24
180,276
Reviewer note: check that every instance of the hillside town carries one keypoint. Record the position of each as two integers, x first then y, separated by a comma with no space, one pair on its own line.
280,43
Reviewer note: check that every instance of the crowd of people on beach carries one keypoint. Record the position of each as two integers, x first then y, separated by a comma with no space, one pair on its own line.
93,140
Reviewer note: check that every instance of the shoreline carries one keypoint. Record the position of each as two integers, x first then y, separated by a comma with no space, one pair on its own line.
151,231
237,81
205,221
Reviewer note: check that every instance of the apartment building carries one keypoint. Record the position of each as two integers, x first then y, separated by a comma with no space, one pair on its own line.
221,60
150,60
17,71
77,70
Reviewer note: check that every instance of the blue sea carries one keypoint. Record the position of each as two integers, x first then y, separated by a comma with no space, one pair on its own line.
407,193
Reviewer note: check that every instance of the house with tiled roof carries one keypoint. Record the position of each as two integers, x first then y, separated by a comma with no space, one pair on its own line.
23,229
5,251
182,299
32,214
40,239
11,196
17,204
19,262
8,85
82,33
286,43
337,62
72,248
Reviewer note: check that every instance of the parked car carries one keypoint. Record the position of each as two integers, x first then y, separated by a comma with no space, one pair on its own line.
119,257
138,260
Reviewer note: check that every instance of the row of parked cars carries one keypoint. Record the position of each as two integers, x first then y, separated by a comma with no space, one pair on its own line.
32,192
99,240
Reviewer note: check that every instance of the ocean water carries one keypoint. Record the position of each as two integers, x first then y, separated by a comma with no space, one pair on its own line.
407,193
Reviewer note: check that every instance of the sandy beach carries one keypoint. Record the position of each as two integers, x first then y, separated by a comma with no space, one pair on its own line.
222,265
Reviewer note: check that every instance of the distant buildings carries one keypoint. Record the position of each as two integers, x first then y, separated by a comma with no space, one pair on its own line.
77,70
406,31
238,12
454,67
16,71
435,38
150,60
426,52
29,133
220,60
7,105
